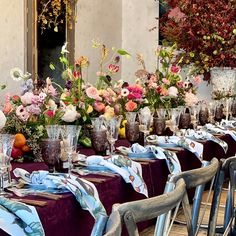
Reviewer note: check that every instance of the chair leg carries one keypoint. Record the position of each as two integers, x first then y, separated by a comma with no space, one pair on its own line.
162,219
215,202
130,224
197,201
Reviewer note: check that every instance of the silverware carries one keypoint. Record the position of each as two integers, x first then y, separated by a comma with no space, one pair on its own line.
30,202
26,192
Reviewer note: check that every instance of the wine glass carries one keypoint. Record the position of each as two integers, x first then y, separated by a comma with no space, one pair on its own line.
175,117
70,135
6,143
211,111
195,115
112,126
144,125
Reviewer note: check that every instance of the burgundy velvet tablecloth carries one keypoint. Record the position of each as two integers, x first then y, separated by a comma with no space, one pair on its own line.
65,217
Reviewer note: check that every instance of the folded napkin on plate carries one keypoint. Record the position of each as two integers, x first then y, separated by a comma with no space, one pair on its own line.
228,123
190,133
220,130
157,152
84,191
192,146
129,170
19,219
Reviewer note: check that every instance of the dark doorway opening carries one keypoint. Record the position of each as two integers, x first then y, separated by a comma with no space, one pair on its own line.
49,51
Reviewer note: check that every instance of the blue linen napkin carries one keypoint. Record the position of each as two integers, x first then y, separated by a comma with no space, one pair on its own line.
157,152
192,146
190,133
219,130
129,170
19,219
85,192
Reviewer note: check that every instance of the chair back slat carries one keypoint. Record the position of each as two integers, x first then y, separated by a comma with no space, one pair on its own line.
199,176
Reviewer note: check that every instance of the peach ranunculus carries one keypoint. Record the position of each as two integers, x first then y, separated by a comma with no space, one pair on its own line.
109,113
190,99
197,79
7,109
99,106
92,92
164,92
130,106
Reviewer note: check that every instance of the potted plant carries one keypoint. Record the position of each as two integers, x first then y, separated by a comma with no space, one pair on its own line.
205,34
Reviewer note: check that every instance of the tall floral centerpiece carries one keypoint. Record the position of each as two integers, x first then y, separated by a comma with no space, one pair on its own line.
205,34
165,87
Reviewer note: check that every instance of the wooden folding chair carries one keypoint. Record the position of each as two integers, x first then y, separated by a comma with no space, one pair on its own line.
133,212
196,178
227,168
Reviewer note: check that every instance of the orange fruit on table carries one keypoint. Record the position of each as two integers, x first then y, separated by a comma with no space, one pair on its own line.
20,140
25,148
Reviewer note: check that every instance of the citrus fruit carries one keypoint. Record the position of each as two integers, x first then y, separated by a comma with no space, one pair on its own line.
122,132
20,140
25,148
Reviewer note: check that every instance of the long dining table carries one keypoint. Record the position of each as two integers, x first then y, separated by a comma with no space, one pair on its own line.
65,216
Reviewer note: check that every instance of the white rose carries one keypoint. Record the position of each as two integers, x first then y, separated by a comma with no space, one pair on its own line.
3,119
173,91
70,114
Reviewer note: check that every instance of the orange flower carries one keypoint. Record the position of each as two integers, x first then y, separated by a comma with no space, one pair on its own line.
131,106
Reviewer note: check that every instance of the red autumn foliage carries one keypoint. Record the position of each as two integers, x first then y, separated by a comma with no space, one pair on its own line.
204,31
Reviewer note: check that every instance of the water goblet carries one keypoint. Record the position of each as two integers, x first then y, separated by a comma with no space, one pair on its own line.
195,115
70,135
6,143
144,125
53,131
131,117
211,111
175,117
112,126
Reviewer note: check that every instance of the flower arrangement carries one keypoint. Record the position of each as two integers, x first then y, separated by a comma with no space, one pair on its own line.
29,113
204,32
53,13
165,87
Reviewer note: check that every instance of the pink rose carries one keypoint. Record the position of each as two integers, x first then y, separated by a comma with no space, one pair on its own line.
180,84
26,99
113,68
165,81
92,92
99,106
49,113
130,106
174,69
